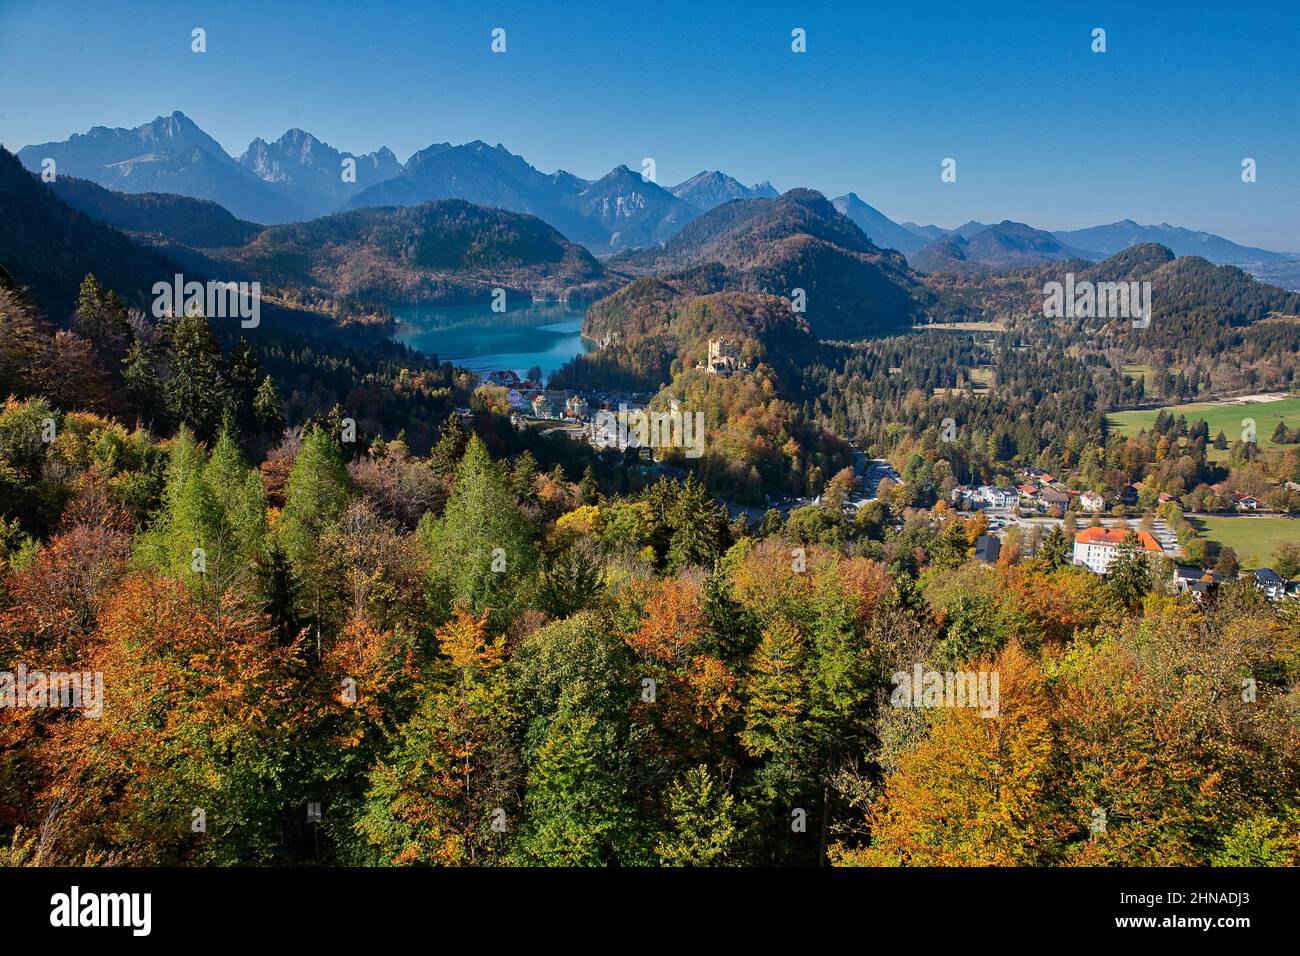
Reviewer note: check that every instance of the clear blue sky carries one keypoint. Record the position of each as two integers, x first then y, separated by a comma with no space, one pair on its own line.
1043,130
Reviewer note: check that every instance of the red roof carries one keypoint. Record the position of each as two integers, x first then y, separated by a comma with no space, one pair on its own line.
1116,536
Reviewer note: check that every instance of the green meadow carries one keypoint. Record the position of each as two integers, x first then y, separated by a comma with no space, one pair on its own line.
1220,417
1253,539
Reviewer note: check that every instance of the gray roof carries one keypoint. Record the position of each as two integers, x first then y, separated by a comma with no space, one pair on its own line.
987,548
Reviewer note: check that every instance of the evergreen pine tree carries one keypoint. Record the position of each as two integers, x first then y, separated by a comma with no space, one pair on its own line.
588,493
697,527
268,408
447,453
1056,549
195,390
702,821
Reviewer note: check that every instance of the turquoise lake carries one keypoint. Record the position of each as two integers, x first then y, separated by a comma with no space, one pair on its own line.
545,334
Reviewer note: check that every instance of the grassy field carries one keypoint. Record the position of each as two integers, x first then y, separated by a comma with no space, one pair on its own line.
1133,370
1219,416
1253,539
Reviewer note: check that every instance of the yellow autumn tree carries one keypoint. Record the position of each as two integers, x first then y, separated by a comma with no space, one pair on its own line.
977,791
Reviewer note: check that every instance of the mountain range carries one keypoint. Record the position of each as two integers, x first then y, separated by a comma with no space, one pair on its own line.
709,189
1008,245
298,177
169,155
1182,242
312,173
47,247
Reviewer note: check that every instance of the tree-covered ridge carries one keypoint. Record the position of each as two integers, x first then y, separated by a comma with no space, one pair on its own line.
798,241
47,246
200,223
450,251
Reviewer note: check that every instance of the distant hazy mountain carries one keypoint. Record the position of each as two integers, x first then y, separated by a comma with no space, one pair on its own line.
968,229
878,227
926,232
449,251
199,223
632,210
708,189
618,211
488,176
1182,242
169,155
1279,268
1008,245
311,173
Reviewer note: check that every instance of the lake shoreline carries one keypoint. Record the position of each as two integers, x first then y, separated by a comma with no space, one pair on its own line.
543,334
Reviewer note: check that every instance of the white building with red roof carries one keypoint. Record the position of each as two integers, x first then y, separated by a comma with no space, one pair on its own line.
1095,548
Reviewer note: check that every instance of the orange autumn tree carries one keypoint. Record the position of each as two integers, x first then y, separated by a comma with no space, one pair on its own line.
48,623
977,791
54,603
444,795
360,676
194,719
694,693
1176,730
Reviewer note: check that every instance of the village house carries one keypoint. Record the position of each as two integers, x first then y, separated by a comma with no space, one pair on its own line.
1184,575
544,407
1195,581
1091,501
987,549
576,407
1051,498
505,378
1095,548
1271,583
995,497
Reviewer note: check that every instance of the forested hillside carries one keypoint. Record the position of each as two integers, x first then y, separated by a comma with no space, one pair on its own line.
502,652
449,252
